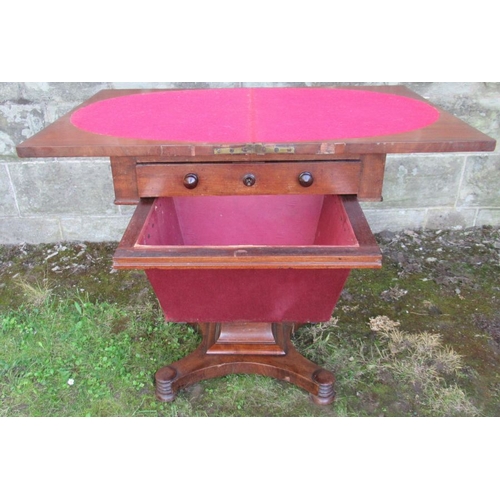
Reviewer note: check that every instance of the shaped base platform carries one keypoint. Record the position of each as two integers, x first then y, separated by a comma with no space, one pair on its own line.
251,348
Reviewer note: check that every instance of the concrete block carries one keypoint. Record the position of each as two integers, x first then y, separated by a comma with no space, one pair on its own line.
448,94
481,182
60,92
64,187
20,121
7,201
33,230
273,84
55,111
173,85
10,91
422,180
450,219
394,220
93,228
73,198
344,84
127,210
17,123
488,217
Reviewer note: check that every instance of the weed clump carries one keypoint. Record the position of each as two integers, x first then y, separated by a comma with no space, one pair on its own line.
420,362
314,341
36,293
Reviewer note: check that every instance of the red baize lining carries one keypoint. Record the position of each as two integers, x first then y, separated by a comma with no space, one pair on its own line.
254,115
263,295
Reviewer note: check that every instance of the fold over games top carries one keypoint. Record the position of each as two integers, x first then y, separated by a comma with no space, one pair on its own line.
352,120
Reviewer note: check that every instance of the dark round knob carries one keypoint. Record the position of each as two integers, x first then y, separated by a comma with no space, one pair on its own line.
190,181
306,179
249,180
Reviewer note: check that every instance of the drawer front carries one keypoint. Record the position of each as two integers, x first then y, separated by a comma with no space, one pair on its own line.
198,179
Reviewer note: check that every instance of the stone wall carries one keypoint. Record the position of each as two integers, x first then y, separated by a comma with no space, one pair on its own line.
49,200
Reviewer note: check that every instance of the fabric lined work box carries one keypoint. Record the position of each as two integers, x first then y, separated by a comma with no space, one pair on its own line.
267,258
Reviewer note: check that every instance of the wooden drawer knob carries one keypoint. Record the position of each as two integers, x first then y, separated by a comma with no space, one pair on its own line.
190,181
306,179
249,180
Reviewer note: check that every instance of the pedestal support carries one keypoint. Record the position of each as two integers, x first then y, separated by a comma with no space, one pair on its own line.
251,348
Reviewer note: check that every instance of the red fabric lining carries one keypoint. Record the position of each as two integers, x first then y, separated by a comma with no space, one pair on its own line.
248,220
271,295
284,220
254,115
214,295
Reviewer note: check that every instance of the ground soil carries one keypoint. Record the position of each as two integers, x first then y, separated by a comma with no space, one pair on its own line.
445,282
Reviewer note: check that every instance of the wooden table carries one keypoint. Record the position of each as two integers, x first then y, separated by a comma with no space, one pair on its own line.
247,221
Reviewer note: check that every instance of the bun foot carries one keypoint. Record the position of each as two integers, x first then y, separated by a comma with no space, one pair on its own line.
164,378
325,381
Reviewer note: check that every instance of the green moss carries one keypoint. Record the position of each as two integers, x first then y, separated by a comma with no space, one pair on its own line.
65,314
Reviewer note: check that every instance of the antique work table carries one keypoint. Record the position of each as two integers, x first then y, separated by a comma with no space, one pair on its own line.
248,220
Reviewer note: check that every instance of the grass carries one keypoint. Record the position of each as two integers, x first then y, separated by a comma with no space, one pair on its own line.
73,357
87,343
76,358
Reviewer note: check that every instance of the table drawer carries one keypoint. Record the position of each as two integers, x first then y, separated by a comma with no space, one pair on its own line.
198,179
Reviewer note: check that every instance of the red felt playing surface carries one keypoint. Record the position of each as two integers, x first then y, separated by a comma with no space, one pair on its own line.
246,115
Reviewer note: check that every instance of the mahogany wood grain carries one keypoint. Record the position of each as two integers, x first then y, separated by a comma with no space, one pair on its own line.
372,177
136,178
329,177
130,254
124,180
246,338
291,366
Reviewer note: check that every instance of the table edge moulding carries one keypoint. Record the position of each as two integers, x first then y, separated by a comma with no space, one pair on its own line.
248,219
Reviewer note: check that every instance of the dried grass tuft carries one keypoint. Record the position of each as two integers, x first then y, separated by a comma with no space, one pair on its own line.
423,363
35,294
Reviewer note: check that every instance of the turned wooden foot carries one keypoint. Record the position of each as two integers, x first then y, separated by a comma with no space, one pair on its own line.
326,392
260,348
164,378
